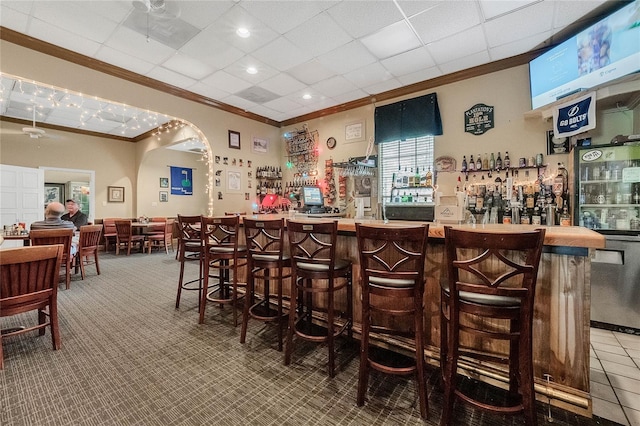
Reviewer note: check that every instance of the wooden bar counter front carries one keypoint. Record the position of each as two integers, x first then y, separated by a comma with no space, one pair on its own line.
561,318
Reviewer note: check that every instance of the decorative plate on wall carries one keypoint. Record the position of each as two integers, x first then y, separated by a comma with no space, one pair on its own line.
445,163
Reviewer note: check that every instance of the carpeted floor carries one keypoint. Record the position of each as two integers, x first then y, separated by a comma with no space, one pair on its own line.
129,358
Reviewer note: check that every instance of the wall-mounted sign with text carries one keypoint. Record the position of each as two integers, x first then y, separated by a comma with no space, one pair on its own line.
478,119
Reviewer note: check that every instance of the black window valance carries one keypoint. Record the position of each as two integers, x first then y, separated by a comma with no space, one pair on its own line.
408,119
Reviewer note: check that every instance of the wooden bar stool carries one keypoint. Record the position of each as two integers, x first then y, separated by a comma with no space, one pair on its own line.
222,252
190,247
489,295
392,263
265,252
313,257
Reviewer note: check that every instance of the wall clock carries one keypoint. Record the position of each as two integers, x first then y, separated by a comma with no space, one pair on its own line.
331,143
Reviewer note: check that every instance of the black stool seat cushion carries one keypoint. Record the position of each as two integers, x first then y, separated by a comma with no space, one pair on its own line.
391,282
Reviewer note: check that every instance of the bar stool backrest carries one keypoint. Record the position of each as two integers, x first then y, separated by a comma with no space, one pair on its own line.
189,229
220,231
494,264
265,237
392,256
313,242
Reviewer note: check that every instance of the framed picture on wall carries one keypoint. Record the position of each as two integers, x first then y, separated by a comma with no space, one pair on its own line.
53,192
260,145
164,182
115,194
164,196
354,132
234,139
557,145
234,181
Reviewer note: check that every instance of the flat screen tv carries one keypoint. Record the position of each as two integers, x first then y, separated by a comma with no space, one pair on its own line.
312,196
605,51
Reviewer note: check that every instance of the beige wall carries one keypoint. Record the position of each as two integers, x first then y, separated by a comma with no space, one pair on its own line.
138,166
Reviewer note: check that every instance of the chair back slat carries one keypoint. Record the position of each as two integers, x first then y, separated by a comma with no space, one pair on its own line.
124,229
109,226
265,237
27,270
89,236
220,231
41,237
189,228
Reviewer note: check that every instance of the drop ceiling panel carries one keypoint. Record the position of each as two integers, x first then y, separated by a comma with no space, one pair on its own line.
383,86
201,13
170,77
239,69
224,28
283,16
346,58
458,46
75,17
379,14
520,24
208,48
511,49
282,105
282,84
13,19
409,62
391,40
124,60
128,41
465,62
366,76
60,37
421,75
492,8
282,54
224,81
318,35
311,72
334,86
446,19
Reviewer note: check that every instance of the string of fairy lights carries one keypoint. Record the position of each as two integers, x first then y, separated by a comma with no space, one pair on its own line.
131,119
126,119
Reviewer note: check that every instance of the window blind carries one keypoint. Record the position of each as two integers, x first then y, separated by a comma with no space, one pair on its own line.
398,156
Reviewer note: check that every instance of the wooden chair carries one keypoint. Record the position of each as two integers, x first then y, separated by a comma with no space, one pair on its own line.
126,237
489,295
235,213
109,232
190,247
222,252
64,236
164,239
265,252
87,247
392,261
312,248
29,281
156,226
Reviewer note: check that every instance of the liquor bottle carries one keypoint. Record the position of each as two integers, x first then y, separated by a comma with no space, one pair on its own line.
472,164
417,178
412,178
507,161
458,185
423,180
636,195
525,219
429,178
536,219
565,219
485,162
405,178
492,162
596,172
498,162
583,195
506,217
398,183
479,163
464,163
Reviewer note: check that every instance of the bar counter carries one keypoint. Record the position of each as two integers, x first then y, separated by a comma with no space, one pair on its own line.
562,308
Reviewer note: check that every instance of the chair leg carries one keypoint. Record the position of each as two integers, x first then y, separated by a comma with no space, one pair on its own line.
205,288
180,280
95,255
350,304
42,318
363,372
248,298
292,320
419,343
81,260
451,367
68,274
330,326
279,320
1,354
53,322
234,296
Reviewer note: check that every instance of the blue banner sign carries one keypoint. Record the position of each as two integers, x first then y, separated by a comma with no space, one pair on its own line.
181,181
576,116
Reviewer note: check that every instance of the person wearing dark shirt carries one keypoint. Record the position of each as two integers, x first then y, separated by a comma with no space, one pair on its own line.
53,220
74,214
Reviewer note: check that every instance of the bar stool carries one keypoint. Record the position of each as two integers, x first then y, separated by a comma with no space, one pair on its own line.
265,251
222,252
313,257
498,284
190,247
392,263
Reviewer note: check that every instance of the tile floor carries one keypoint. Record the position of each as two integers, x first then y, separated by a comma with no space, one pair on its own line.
615,376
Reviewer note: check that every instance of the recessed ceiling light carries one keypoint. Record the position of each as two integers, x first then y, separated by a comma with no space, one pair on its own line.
243,32
252,70
306,96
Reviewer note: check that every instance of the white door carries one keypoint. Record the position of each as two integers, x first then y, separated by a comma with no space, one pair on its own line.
21,195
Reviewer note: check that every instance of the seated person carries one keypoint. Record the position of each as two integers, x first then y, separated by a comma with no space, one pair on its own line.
74,214
53,220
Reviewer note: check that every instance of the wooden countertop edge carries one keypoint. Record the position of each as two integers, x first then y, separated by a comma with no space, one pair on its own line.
565,236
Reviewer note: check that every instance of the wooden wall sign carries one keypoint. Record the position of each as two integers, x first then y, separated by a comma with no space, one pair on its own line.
478,119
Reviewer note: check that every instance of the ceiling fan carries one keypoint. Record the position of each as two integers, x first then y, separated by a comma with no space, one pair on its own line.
33,131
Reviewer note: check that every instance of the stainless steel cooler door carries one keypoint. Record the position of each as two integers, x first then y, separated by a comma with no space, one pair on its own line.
615,282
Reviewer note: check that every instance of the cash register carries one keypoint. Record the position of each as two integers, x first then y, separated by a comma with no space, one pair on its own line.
313,204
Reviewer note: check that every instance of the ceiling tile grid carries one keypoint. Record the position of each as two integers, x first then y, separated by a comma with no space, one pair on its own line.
335,51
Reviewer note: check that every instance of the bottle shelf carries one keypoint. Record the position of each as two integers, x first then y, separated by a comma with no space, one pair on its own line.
499,170
587,182
592,206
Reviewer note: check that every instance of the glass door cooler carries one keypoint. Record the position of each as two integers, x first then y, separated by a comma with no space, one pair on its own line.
607,190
